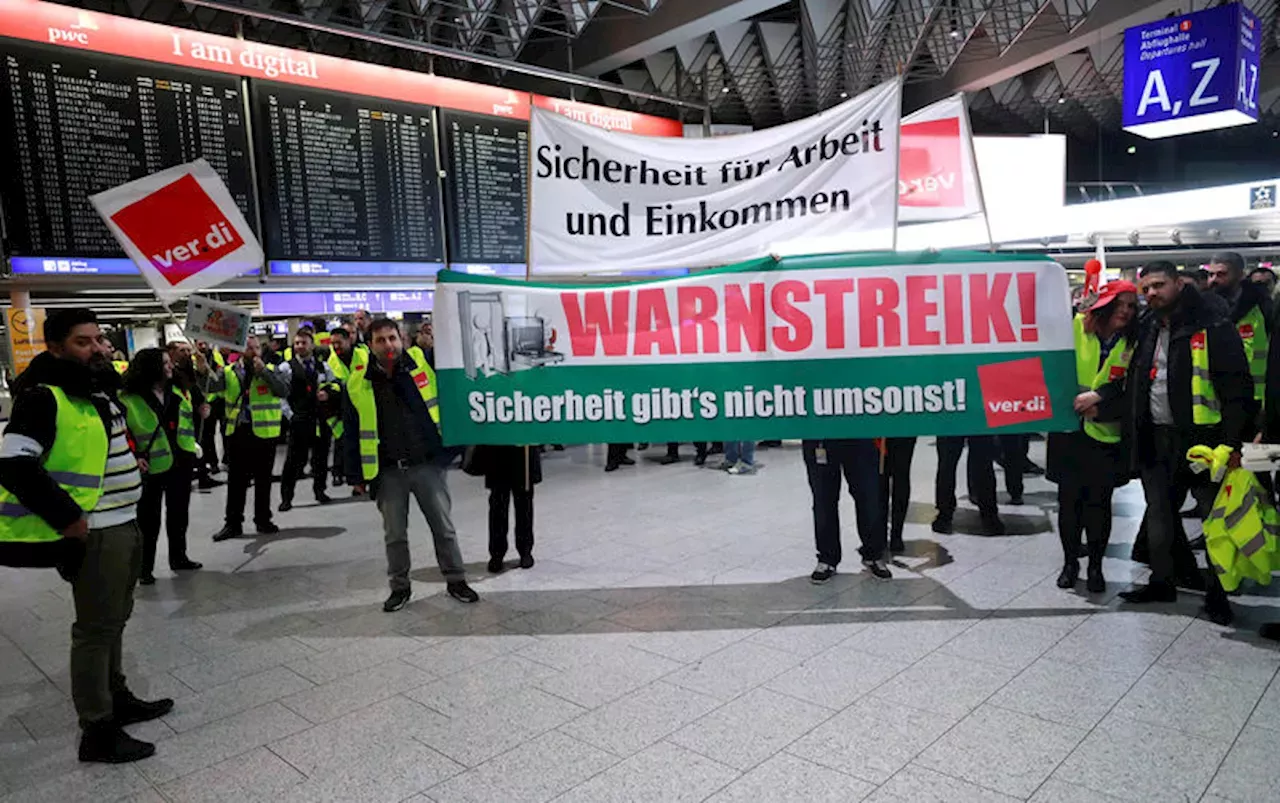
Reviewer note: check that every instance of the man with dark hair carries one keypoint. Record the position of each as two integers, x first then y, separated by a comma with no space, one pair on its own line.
308,434
341,349
69,488
1189,384
1251,313
362,326
1265,277
253,390
396,450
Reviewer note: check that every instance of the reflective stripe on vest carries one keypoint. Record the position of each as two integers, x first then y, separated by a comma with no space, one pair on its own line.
1205,407
360,393
148,434
1252,327
185,435
265,410
77,461
1091,376
1240,532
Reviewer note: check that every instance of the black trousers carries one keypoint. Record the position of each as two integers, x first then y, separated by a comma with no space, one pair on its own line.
173,488
305,445
983,450
249,457
209,437
1014,449
500,500
673,449
895,485
1166,478
859,463
617,451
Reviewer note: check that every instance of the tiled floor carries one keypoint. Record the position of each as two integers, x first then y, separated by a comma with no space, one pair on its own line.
667,647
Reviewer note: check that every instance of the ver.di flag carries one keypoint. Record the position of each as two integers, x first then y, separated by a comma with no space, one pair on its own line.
937,176
834,346
608,200
182,228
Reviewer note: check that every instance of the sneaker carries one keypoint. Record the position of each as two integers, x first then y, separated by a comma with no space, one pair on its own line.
107,743
942,525
126,709
822,573
878,569
398,599
229,531
742,468
462,592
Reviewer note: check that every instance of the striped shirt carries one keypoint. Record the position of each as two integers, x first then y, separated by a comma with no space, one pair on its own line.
121,481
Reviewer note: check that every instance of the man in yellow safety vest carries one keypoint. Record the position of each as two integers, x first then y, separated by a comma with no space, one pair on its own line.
394,447
1189,384
1250,311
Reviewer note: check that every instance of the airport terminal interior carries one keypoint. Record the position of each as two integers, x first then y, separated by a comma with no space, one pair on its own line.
569,206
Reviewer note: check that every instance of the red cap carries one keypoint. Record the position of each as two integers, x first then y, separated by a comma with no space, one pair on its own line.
1110,290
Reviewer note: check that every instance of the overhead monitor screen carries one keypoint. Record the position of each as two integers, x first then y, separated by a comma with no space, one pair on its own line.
487,160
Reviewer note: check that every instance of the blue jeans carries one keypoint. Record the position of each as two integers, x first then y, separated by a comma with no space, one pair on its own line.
740,452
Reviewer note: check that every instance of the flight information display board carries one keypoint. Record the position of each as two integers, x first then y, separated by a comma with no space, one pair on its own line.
74,124
487,160
346,179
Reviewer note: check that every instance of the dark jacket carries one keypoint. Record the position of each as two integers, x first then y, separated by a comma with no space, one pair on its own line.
505,466
1251,295
1227,365
35,416
391,421
303,388
1272,408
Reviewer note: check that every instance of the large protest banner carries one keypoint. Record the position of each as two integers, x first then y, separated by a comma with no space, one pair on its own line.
808,347
607,200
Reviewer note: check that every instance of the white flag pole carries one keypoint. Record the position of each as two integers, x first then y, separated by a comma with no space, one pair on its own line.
897,165
967,133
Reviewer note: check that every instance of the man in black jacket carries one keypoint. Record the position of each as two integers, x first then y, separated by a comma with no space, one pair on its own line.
308,436
1189,384
67,468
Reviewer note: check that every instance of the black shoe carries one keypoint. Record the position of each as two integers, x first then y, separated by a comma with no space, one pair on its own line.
992,525
208,485
669,459
1155,592
127,709
107,743
610,468
700,460
397,600
1270,631
1070,574
267,528
462,592
185,565
822,573
1095,583
322,498
1218,610
230,531
147,580
496,566
943,525
878,569
526,561
896,546
1031,469
1016,500
286,506
626,461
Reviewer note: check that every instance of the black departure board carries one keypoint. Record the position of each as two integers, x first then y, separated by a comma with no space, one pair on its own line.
488,184
75,124
346,177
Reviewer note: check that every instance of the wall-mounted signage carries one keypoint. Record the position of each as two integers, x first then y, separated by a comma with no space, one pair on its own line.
346,303
1196,72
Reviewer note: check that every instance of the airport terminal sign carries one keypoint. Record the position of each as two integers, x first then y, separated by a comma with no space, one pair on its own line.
1196,72
809,347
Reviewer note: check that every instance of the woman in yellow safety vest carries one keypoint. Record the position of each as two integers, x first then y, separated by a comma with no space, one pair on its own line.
1089,464
161,423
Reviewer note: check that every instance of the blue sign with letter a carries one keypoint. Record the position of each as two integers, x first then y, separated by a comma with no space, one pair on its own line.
1197,72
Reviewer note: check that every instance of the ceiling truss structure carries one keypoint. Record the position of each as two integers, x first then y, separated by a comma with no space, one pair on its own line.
787,60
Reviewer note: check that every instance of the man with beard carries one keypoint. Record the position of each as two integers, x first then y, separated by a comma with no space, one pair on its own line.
69,488
1250,311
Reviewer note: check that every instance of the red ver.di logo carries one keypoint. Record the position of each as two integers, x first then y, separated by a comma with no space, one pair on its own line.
1014,392
179,228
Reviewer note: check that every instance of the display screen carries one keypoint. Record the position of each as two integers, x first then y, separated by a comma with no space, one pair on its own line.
337,268
346,303
346,179
487,160
76,124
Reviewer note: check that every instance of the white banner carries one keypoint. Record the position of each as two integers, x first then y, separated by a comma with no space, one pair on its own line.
182,228
937,178
604,200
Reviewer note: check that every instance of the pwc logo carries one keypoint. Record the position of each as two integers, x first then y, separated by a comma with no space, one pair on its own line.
179,229
75,34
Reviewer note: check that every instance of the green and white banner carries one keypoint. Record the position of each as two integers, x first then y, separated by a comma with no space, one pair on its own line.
838,346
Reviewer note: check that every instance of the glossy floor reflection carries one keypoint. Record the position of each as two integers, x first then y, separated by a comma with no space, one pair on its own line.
668,646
